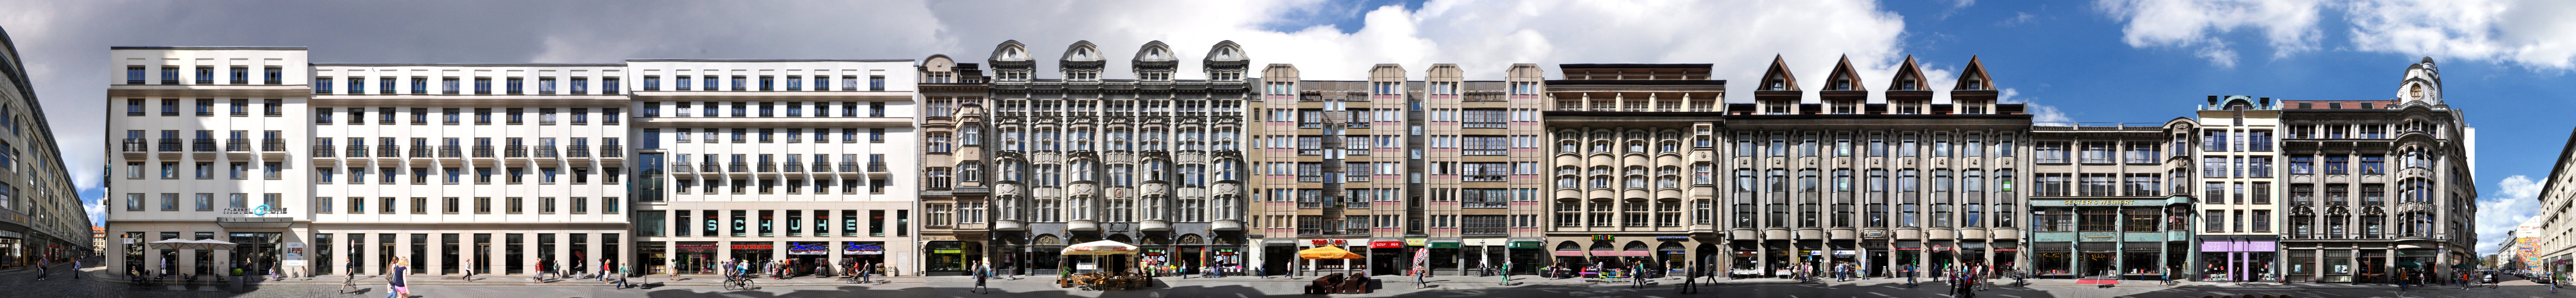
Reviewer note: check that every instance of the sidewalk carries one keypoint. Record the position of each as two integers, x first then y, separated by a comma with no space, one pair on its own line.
1390,280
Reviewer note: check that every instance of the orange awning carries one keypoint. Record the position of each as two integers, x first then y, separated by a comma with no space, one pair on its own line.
1328,253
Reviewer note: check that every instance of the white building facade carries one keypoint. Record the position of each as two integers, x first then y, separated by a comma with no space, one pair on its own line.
201,145
807,161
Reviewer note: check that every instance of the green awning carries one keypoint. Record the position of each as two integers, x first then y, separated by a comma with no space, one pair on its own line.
1524,245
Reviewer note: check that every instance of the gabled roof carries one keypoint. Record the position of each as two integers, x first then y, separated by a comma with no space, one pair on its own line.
1908,70
1010,50
1843,71
1081,51
1780,71
1227,51
1156,51
1975,70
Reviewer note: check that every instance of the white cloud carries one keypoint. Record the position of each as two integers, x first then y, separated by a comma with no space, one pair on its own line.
97,211
2515,200
2288,26
2038,112
2534,33
2017,19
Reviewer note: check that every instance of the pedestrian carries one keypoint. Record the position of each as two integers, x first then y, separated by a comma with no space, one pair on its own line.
1909,274
76,266
40,267
1639,278
394,279
538,269
469,269
864,272
1421,278
1690,280
981,273
622,272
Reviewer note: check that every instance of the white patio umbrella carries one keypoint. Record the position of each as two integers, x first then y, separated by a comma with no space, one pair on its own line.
1100,248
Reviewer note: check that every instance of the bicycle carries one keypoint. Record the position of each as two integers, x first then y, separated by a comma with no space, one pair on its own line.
738,283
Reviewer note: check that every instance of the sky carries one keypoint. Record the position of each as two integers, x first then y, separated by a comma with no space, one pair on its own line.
2101,61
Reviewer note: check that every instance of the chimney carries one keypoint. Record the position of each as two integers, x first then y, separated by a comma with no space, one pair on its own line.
2213,100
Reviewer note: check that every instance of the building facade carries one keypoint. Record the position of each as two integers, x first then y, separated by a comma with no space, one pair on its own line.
955,191
1626,136
41,214
191,156
1153,161
809,162
1912,181
2111,201
2555,243
2237,240
2378,185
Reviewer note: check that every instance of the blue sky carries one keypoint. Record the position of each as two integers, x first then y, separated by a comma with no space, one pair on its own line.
2505,62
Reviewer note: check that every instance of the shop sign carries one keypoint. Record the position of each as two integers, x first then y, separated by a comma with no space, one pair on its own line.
695,247
947,251
753,246
1846,252
1744,253
1417,241
1153,251
1605,237
808,248
1386,244
1672,238
1523,245
855,248
1330,242
1444,245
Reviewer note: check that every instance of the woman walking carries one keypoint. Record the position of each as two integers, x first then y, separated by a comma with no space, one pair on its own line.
395,279
981,273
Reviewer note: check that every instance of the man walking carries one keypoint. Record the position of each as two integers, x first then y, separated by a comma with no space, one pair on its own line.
981,273
864,272
40,267
1909,275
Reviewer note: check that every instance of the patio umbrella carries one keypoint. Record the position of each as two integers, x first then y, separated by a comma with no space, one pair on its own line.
1100,248
1329,253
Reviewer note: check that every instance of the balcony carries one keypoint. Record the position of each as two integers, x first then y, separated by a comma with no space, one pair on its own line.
482,151
202,145
548,152
514,151
612,151
170,145
236,145
1486,205
272,145
324,151
849,167
388,151
794,168
710,167
579,151
876,167
738,168
359,151
134,145
768,167
1310,205
421,151
451,151
682,167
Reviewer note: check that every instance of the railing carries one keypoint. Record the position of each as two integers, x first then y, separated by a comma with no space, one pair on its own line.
822,167
236,145
682,167
768,167
794,167
324,151
1486,205
272,145
548,152
388,151
612,151
483,151
1310,205
450,151
876,167
710,168
135,145
202,145
170,145
1310,151
514,151
738,168
1487,178
357,151
849,167
580,150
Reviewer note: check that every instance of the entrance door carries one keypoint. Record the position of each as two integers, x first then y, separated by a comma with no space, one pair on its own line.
2098,264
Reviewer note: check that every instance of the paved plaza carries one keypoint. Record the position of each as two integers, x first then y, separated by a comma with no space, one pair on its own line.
22,283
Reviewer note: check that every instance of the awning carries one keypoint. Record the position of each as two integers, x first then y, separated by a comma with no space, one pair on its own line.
2006,246
1909,245
1386,244
1569,253
1628,253
254,222
1672,248
2097,246
1525,245
1972,245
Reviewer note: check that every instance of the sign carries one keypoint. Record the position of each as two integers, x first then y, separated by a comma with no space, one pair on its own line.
1417,241
1605,237
1329,242
1444,245
1386,244
808,248
753,246
856,248
294,252
1158,251
1523,245
696,247
293,262
1672,238
947,251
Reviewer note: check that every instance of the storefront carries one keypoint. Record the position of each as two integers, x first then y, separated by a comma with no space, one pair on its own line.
13,249
1527,255
754,252
952,255
867,253
656,258
696,257
804,257
1388,256
2237,258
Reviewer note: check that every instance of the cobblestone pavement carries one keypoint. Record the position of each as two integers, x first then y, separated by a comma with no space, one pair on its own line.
22,284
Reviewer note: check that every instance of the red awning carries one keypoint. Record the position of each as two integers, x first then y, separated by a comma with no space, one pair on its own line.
1569,253
1636,253
1386,244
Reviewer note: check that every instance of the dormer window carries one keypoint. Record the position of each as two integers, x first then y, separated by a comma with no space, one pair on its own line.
1976,84
1778,85
1842,84
1908,84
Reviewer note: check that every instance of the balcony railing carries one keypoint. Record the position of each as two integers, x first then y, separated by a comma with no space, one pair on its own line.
876,167
849,167
1486,205
202,145
548,152
135,145
794,167
739,168
768,167
450,151
710,167
324,151
236,145
612,151
682,167
357,151
580,150
483,151
171,145
1310,205
388,151
514,151
272,145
